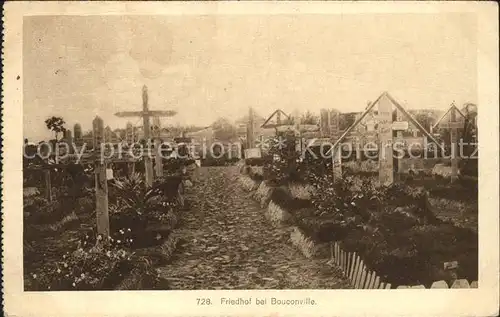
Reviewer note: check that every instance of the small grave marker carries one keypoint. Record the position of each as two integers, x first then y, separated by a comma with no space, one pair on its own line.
253,153
400,125
450,265
109,173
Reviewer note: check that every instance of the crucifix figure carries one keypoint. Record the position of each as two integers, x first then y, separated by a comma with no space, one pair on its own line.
146,114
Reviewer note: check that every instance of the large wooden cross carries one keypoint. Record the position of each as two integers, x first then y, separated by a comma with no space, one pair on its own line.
146,114
453,125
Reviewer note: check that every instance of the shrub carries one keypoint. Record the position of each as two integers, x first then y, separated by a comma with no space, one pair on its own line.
138,207
86,268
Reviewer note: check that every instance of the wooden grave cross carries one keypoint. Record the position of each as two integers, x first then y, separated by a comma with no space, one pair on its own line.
453,125
101,183
146,114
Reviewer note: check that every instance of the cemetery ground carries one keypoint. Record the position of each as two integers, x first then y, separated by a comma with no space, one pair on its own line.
408,232
229,244
222,241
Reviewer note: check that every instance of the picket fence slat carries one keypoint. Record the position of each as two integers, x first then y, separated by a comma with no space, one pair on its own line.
353,265
382,285
418,286
342,260
368,280
358,272
372,280
362,276
364,279
339,260
340,255
336,253
402,287
473,284
347,260
369,275
349,263
388,286
439,284
377,282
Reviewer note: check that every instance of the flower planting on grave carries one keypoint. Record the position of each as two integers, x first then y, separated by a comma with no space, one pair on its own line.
63,250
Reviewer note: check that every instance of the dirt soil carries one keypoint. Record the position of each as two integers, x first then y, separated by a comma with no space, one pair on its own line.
228,244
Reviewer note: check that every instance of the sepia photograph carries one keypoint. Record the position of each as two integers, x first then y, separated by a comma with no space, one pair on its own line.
252,152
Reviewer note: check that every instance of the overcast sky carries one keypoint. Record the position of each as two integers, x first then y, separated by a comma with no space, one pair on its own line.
205,67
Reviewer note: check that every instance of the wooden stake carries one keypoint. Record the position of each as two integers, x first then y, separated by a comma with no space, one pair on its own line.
337,163
101,195
158,159
48,185
101,183
454,146
131,168
250,130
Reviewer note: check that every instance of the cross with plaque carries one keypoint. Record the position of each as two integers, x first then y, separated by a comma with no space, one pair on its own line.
146,114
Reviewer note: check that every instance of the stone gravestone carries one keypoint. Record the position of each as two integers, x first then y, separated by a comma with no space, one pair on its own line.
68,138
77,134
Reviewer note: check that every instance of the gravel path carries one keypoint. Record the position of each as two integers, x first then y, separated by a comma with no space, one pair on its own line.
228,244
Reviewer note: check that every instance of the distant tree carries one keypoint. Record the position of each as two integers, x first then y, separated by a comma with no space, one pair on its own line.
309,118
224,130
425,119
346,120
289,121
56,125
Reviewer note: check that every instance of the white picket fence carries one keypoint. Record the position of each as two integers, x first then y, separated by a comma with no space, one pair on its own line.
361,277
